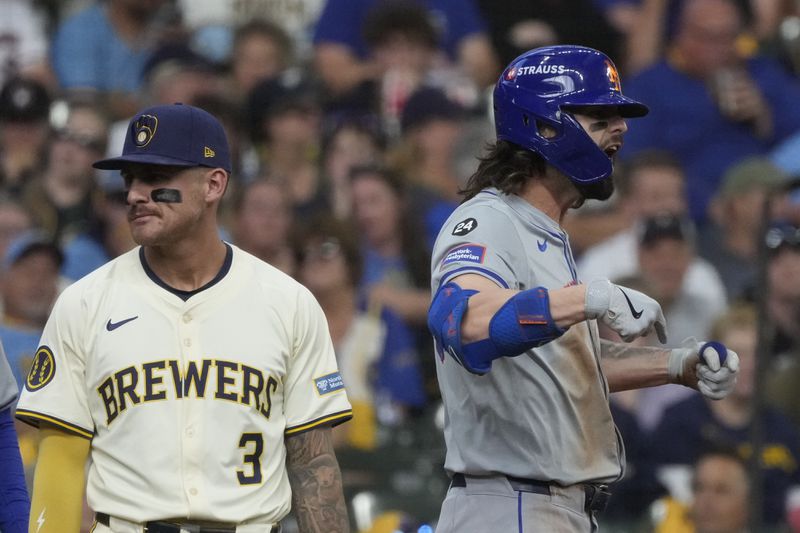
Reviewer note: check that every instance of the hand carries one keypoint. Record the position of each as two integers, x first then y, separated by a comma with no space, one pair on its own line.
740,99
628,312
708,367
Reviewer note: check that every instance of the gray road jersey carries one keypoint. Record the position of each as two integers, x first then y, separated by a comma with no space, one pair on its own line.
8,386
544,414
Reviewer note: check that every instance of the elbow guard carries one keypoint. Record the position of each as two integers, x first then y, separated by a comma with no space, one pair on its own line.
522,323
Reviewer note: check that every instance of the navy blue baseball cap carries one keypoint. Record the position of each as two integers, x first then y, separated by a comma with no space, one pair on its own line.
176,135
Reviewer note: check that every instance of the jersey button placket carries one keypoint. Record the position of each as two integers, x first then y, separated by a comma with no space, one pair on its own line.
192,418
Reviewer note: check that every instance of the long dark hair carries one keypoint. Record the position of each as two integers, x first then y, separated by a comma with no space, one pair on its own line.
506,166
415,252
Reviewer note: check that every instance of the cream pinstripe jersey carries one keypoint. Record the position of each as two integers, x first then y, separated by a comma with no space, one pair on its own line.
186,400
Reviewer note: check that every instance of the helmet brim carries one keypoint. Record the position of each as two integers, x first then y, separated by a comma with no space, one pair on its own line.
628,107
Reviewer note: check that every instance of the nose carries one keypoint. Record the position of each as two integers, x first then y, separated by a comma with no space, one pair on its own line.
618,125
137,193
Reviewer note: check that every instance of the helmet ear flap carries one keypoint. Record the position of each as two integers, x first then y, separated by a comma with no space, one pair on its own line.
545,130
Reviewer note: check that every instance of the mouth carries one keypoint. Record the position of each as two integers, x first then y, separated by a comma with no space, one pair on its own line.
139,215
612,149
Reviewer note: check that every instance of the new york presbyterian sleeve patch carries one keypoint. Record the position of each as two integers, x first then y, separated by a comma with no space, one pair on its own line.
465,253
43,369
329,383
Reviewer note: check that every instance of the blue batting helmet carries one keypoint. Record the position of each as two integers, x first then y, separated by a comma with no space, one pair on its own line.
539,86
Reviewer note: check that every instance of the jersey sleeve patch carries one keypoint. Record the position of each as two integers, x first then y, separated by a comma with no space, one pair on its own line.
329,383
465,253
43,369
464,227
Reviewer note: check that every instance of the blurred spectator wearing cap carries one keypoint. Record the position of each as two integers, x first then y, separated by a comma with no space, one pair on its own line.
432,125
730,241
666,251
102,49
29,285
343,56
285,118
710,104
696,425
24,130
349,140
649,185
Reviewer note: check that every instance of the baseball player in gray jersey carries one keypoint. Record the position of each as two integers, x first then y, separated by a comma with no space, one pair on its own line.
524,375
199,380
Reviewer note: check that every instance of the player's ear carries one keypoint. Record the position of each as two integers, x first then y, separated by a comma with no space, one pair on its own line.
216,182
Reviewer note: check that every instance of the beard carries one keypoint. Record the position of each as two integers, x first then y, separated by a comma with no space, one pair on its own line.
599,190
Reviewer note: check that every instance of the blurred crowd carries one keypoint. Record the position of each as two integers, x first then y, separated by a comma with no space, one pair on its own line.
354,123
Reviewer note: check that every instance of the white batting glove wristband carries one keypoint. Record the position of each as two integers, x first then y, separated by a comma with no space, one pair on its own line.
628,312
708,367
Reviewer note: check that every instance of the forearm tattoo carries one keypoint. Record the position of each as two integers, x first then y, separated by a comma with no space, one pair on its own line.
618,350
317,498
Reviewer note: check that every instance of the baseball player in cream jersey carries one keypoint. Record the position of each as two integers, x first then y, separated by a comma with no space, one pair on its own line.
202,380
523,372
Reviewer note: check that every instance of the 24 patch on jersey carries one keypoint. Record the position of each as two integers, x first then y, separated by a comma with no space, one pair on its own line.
465,226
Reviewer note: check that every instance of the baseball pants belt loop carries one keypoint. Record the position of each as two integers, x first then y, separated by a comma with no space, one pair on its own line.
597,496
159,526
517,483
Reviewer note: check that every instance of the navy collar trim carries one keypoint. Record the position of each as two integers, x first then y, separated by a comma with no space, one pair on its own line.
185,295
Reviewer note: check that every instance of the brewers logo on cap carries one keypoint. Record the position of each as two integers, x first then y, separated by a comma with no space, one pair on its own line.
42,370
144,129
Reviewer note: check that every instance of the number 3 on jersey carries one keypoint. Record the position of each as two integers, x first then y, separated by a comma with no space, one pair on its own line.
251,459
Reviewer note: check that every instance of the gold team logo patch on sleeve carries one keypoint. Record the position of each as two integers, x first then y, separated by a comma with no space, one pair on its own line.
42,370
